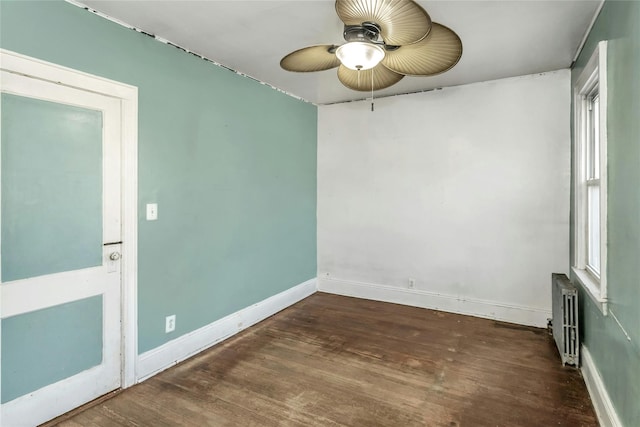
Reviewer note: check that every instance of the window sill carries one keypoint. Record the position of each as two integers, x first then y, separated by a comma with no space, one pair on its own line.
592,289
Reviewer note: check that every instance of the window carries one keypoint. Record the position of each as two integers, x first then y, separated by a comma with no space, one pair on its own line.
590,171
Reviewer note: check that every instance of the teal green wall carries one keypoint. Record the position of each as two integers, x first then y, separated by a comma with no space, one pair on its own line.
230,162
45,346
617,358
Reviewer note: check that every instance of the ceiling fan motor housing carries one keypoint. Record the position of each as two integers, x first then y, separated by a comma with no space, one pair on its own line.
367,32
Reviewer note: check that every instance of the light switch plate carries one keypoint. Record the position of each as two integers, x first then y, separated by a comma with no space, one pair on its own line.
152,211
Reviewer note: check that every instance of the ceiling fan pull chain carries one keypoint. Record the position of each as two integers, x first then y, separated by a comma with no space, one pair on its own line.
372,89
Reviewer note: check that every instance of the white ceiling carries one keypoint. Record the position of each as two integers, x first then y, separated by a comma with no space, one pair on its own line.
500,38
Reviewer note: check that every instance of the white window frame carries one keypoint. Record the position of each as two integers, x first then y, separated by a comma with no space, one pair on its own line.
593,77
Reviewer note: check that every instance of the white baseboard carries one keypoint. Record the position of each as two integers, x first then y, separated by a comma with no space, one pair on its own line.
607,415
179,349
530,316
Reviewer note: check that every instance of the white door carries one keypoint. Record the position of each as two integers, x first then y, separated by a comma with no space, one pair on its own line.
60,246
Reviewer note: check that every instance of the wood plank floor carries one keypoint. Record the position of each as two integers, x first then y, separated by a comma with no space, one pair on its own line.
338,361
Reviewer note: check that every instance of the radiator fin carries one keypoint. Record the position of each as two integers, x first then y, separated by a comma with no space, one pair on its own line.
565,319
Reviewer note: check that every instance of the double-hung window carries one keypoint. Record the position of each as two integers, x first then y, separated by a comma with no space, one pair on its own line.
590,172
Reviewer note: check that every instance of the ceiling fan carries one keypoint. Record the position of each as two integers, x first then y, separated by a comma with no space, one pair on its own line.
385,41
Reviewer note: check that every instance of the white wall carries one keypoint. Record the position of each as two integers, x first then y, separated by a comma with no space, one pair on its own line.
465,190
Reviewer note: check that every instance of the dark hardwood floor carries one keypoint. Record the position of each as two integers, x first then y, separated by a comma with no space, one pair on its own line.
338,361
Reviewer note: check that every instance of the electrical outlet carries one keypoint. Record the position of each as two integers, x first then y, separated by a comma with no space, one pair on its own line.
412,283
170,323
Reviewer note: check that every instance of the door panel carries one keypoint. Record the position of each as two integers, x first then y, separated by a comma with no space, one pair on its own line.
72,335
51,187
60,219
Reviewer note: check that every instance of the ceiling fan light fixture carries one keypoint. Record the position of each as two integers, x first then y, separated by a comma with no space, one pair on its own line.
360,55
397,34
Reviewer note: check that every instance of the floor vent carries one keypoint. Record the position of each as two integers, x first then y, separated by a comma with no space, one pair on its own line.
565,319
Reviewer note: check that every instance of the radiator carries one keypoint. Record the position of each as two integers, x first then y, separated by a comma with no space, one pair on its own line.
565,319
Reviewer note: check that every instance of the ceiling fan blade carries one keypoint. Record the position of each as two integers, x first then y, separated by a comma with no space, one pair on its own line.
361,80
312,58
401,21
435,54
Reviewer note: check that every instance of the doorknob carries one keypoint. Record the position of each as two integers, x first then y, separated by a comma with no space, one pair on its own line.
114,256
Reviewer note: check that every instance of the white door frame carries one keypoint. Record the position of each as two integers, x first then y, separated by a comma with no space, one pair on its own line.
128,95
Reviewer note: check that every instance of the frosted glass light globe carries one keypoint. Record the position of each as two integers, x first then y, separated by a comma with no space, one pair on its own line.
360,55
